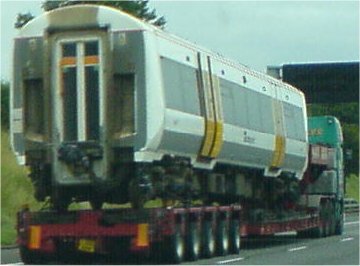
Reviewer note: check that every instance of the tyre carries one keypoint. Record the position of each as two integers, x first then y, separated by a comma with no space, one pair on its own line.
322,229
328,218
193,241
173,248
339,227
303,233
318,231
208,240
327,230
31,257
332,221
222,240
234,237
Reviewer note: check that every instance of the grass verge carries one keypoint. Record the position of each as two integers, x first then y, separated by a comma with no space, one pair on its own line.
352,187
16,190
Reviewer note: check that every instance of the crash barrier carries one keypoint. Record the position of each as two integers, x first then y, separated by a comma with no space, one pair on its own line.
351,205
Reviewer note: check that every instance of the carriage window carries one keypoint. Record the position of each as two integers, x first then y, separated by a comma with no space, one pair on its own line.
91,48
92,102
123,105
69,50
70,104
80,90
34,97
92,89
69,90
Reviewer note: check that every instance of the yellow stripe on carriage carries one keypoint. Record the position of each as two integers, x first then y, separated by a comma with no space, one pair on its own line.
218,140
209,138
279,152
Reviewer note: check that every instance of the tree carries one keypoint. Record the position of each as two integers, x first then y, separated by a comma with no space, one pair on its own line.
22,19
139,9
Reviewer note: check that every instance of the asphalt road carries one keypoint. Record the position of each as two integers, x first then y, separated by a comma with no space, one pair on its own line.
284,249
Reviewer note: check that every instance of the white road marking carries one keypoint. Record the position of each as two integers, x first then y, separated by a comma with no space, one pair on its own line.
227,261
347,239
347,223
296,249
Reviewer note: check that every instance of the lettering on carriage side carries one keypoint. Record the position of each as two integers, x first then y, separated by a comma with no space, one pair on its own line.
249,139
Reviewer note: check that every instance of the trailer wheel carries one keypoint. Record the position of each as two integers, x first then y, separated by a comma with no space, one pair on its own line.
31,257
222,239
173,247
208,240
234,237
193,241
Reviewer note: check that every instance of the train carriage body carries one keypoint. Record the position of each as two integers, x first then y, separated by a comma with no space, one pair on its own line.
100,97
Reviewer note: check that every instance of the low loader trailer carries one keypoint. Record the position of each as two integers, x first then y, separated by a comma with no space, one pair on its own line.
175,234
172,235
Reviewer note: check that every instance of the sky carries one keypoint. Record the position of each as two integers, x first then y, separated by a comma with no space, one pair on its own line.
254,33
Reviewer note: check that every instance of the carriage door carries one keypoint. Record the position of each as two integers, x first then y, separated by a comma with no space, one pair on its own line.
79,87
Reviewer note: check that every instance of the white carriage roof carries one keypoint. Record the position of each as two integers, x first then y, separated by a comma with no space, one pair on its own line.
97,15
72,16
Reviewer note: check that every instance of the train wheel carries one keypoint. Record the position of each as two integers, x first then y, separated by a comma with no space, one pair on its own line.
193,241
173,247
222,239
208,239
234,237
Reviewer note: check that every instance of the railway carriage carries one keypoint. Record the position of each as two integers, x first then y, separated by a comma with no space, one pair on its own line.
107,108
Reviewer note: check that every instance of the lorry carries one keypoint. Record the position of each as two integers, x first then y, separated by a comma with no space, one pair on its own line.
176,234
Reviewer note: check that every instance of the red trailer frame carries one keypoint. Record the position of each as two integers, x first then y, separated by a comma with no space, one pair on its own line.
89,231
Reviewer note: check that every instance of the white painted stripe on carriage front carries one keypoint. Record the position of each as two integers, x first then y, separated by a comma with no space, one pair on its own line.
296,249
228,261
81,95
347,239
